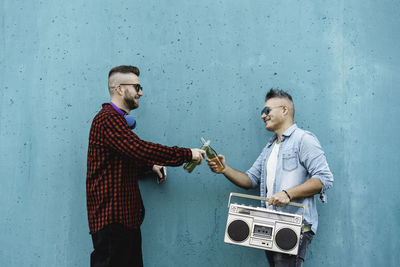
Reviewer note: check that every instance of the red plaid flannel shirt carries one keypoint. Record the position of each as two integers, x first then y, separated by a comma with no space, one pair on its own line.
116,159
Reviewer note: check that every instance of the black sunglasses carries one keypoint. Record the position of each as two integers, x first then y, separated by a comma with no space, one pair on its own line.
266,110
137,86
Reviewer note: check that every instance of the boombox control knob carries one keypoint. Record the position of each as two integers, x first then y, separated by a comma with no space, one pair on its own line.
238,230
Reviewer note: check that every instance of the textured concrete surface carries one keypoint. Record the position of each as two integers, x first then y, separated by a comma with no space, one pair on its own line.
206,66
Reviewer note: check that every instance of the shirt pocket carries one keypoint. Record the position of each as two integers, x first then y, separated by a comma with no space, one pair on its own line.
289,160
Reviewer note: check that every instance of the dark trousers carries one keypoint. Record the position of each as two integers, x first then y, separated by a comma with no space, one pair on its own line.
117,246
277,259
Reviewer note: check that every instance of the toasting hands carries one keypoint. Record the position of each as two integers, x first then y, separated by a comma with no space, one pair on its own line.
198,155
217,164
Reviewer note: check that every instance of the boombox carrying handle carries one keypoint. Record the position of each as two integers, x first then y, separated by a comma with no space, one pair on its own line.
264,199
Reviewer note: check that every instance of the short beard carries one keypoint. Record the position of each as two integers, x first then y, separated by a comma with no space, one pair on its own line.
130,102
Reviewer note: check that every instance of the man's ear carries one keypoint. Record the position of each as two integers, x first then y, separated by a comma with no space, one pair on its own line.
118,90
285,110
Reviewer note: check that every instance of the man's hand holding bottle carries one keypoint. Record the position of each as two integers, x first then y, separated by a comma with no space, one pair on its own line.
198,155
217,164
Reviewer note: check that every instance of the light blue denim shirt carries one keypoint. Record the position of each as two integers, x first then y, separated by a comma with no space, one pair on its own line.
300,157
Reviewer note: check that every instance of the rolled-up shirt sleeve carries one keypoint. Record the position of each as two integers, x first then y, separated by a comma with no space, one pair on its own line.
254,172
312,157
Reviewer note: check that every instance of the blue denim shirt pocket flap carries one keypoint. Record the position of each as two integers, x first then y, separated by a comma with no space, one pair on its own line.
289,160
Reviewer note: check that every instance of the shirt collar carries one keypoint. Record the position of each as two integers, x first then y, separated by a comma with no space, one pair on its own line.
109,105
285,135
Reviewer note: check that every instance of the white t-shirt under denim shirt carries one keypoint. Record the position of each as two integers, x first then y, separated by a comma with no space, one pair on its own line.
271,169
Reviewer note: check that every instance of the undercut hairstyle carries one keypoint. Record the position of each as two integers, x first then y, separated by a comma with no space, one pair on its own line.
124,69
120,69
277,93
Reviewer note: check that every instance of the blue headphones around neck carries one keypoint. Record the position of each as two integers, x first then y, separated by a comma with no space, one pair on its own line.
130,120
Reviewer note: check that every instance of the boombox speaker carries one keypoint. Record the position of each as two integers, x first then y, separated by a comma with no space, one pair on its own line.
263,228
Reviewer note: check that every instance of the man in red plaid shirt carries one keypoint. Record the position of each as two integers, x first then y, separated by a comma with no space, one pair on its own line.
117,157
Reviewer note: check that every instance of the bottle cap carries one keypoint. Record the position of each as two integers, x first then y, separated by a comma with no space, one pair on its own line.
205,143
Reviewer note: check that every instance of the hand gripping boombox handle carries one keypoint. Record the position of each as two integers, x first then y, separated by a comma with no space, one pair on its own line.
264,199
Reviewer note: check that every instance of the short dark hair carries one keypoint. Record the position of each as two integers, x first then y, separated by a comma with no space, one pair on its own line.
124,69
277,93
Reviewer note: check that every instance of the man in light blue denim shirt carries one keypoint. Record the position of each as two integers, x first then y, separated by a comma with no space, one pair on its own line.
292,167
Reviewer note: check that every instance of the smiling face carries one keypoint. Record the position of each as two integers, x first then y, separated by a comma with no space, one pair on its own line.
275,117
125,89
278,114
131,94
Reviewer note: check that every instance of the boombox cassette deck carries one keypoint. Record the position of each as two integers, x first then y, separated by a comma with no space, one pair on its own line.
263,228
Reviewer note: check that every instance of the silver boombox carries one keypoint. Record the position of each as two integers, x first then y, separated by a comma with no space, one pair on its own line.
263,228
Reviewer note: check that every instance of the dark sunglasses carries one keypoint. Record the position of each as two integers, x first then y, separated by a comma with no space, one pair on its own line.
266,110
137,86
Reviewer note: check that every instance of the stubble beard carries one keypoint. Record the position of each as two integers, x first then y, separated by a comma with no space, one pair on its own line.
130,102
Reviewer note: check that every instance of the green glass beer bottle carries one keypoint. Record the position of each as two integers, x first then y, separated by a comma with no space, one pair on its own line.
213,156
189,166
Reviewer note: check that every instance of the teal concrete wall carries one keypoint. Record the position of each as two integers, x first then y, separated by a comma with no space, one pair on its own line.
206,66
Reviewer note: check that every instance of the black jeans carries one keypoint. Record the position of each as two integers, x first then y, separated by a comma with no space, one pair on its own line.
277,259
117,246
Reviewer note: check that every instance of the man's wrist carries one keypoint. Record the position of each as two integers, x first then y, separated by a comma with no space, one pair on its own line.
225,170
287,194
188,154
